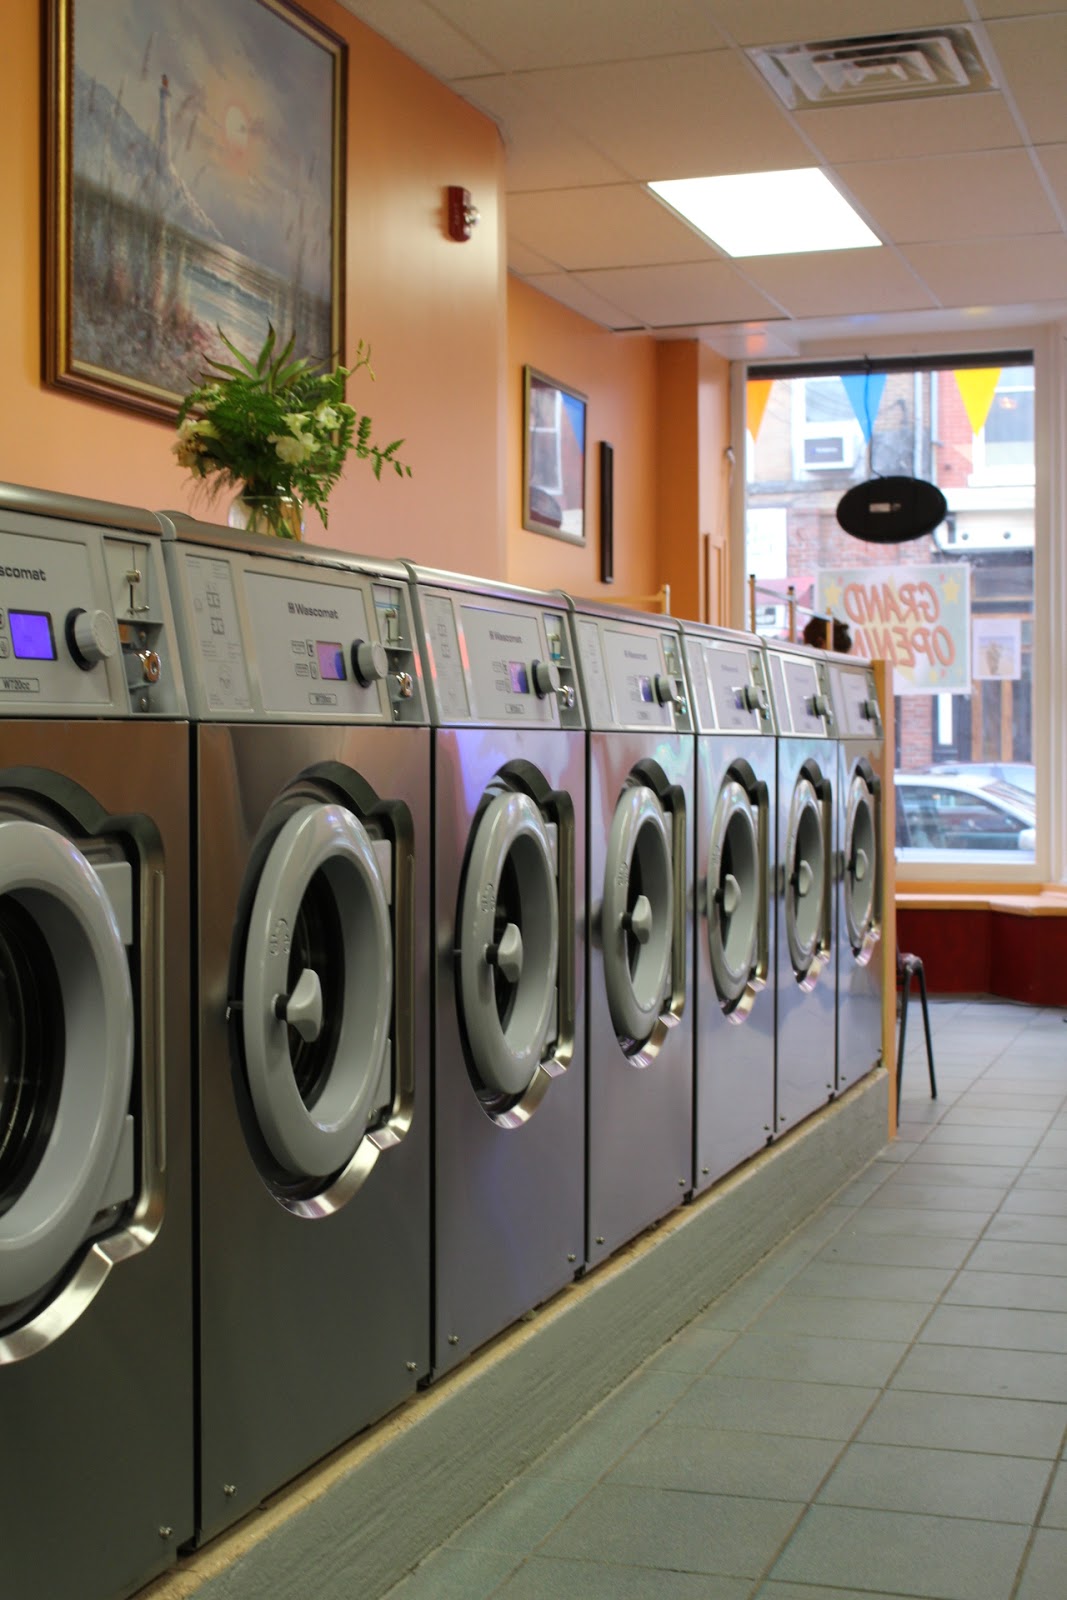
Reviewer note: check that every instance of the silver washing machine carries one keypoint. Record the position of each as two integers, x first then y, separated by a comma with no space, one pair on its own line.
858,720
509,921
639,991
805,972
96,1335
312,787
736,816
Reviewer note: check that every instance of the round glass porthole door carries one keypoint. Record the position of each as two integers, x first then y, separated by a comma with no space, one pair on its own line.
317,991
508,941
861,861
66,1053
805,876
733,892
637,918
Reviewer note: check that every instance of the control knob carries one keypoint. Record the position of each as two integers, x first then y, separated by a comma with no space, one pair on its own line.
821,707
666,690
369,661
546,678
871,710
90,637
753,698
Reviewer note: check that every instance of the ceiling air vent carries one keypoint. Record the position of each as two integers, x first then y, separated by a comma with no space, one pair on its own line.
884,66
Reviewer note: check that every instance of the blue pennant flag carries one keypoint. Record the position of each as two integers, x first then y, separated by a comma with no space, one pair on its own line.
864,390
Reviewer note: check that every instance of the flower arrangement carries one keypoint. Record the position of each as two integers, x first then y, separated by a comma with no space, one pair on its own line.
277,429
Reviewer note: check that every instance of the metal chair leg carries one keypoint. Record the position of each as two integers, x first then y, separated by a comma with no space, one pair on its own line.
926,1025
905,993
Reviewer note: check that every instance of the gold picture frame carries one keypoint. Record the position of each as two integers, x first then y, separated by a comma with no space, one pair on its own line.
195,181
553,459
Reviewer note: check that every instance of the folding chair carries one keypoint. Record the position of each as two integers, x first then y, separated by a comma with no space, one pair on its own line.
909,966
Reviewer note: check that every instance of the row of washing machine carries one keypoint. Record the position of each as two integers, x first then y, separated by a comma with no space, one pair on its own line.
378,951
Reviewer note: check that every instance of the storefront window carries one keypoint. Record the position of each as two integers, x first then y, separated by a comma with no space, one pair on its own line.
952,611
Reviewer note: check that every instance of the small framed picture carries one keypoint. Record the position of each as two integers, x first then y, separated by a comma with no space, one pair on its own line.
553,475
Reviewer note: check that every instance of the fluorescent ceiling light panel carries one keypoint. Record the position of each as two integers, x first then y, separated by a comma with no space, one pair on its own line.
768,213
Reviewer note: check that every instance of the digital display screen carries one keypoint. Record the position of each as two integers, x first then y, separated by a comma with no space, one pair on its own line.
331,660
644,689
31,635
520,683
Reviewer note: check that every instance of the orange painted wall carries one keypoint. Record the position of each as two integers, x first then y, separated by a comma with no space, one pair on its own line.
433,311
618,375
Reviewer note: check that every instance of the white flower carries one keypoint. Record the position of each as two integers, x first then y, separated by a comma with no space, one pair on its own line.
328,418
292,450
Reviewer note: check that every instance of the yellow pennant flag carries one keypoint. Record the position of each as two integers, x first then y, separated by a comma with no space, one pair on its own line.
977,386
759,392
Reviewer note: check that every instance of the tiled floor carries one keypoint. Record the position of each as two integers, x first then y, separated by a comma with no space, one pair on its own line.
878,1409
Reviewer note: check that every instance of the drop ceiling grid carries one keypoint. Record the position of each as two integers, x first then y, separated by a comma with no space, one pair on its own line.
591,99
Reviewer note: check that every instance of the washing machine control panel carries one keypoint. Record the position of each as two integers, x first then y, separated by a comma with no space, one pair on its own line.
800,686
632,675
85,621
268,639
496,660
859,715
729,685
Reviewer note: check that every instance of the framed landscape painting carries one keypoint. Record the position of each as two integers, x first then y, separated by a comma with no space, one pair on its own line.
196,179
553,478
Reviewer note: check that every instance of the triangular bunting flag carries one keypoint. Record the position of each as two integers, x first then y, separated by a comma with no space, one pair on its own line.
758,392
864,390
977,386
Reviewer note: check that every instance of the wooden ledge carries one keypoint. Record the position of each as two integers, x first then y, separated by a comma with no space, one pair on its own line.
1048,900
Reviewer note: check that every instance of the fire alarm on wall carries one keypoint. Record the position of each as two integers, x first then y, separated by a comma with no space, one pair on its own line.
462,215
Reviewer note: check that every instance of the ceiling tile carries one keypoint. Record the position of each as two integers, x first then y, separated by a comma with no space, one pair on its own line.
557,33
525,262
418,30
1002,272
1053,158
1033,55
542,152
665,296
913,128
1016,8
743,341
579,297
677,116
986,195
617,226
838,282
774,22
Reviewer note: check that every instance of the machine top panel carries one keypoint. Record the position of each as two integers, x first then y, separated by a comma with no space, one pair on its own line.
494,658
177,525
632,674
272,636
86,628
728,672
856,705
800,691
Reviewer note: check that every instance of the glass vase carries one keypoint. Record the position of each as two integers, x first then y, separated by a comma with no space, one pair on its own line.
281,516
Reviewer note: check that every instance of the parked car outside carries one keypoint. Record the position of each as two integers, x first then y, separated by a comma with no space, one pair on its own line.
1020,774
940,815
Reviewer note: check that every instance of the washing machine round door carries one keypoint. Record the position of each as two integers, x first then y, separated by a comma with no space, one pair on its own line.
508,940
637,917
861,861
805,858
66,1053
317,991
733,892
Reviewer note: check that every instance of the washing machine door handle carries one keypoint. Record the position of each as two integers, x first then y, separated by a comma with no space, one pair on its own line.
638,921
302,1009
730,894
506,954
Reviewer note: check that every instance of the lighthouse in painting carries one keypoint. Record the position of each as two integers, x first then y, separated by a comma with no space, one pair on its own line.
163,140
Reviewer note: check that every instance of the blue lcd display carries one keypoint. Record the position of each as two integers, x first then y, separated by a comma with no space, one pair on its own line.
31,635
331,660
645,688
520,683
